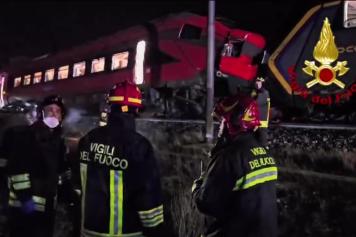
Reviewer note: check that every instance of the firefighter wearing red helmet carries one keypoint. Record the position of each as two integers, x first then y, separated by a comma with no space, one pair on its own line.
36,166
237,191
121,190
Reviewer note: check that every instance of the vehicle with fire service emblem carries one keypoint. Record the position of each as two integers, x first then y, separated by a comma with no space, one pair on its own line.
316,63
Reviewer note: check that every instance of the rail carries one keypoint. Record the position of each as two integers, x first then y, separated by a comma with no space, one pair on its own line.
314,174
283,125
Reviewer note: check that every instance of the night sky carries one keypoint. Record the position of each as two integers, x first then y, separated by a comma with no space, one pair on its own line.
34,29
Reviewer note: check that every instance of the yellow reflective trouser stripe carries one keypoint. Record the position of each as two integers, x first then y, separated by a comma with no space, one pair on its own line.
152,217
22,185
83,177
116,202
256,177
89,233
20,177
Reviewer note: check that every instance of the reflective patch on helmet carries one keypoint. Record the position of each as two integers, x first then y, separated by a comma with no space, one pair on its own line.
134,100
116,98
124,108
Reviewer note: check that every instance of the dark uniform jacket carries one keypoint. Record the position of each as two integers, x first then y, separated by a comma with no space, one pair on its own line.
237,192
121,191
36,158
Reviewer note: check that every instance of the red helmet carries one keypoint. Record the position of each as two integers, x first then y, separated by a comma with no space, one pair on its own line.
238,113
125,94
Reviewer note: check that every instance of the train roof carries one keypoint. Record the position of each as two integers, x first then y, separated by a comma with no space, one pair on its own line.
105,44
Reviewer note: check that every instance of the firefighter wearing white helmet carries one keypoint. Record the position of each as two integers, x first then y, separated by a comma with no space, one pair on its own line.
121,190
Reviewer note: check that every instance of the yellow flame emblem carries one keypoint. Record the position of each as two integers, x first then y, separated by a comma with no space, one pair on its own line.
325,52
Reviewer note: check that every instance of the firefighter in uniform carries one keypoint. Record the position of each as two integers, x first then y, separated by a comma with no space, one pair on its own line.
35,157
121,190
261,95
237,192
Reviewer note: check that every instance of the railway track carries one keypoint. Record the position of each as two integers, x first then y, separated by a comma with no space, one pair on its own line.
348,127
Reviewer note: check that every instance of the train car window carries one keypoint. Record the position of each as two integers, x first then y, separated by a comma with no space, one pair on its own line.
120,60
190,32
232,48
63,72
79,69
49,75
349,14
27,80
37,77
17,82
98,65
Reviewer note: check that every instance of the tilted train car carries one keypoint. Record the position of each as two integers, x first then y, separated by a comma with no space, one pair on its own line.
166,57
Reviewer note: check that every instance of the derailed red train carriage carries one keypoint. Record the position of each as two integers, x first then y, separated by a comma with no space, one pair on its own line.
166,57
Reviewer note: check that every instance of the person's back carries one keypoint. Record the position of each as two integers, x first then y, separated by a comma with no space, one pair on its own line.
254,207
121,192
237,193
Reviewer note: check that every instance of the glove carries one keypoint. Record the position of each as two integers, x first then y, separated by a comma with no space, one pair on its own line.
28,207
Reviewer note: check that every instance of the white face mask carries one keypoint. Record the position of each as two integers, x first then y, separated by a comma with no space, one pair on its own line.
51,122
